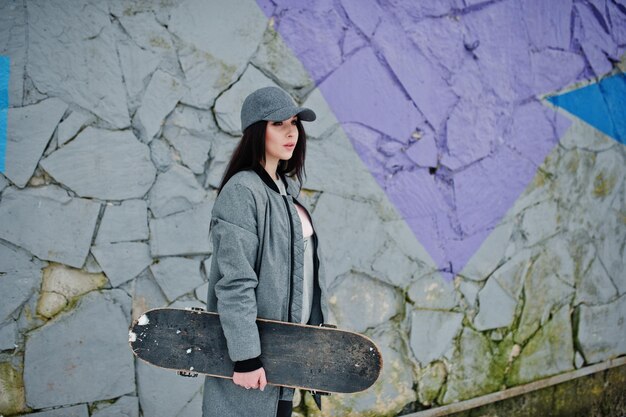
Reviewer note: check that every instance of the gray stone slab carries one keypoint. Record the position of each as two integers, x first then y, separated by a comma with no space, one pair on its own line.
497,307
202,292
26,141
195,121
431,380
469,289
146,294
221,152
512,273
177,276
62,62
594,286
124,223
4,183
276,58
359,302
137,66
153,36
162,393
544,293
8,335
346,243
20,277
122,261
48,223
432,333
193,150
161,154
243,28
73,124
91,340
13,44
540,222
326,119
74,411
123,407
160,98
104,164
205,76
394,267
185,233
470,373
433,292
175,191
490,254
326,159
193,407
549,352
228,105
601,330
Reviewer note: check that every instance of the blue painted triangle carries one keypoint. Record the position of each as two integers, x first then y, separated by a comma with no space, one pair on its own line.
602,105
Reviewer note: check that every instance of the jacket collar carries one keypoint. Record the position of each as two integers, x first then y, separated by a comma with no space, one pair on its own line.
262,173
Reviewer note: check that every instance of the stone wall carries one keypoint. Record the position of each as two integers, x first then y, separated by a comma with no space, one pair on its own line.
465,174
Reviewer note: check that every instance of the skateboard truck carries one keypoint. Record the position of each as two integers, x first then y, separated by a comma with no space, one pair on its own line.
187,374
317,397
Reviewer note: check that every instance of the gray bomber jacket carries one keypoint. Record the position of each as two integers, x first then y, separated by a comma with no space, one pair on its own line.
256,271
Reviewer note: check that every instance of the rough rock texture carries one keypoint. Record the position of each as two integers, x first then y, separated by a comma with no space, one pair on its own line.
162,393
61,285
75,411
600,334
539,358
470,225
125,222
122,163
174,191
122,261
54,373
125,406
358,302
27,139
83,40
177,276
21,277
185,233
432,334
49,223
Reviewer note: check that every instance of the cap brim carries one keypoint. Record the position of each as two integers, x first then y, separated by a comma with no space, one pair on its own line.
303,113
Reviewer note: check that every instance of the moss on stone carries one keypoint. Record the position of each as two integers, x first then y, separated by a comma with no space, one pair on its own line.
12,395
603,185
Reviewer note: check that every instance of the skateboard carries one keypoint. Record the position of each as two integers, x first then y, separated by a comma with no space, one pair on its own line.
319,359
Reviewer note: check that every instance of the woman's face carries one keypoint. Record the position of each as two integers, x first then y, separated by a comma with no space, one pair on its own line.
280,140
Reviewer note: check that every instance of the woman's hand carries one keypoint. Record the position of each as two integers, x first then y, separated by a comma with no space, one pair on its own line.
253,379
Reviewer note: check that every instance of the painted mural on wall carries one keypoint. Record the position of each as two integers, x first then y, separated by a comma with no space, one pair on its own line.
449,136
466,174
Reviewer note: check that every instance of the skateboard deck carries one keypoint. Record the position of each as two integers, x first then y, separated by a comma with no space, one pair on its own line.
320,359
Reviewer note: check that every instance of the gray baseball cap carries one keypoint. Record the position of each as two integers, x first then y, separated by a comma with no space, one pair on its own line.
271,104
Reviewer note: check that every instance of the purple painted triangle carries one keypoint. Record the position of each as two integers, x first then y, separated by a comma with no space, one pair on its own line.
464,79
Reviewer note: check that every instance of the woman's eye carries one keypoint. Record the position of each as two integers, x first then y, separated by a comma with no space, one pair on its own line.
277,123
294,122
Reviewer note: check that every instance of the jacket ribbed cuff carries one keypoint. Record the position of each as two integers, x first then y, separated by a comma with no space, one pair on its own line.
248,365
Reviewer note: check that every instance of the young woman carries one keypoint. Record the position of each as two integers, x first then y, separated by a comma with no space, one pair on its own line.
266,260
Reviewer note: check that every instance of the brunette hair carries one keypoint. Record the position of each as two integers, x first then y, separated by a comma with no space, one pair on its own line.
251,152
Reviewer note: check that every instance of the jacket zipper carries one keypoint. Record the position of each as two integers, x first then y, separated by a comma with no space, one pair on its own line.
290,258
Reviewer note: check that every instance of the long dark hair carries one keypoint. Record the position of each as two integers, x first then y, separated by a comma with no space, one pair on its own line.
251,152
